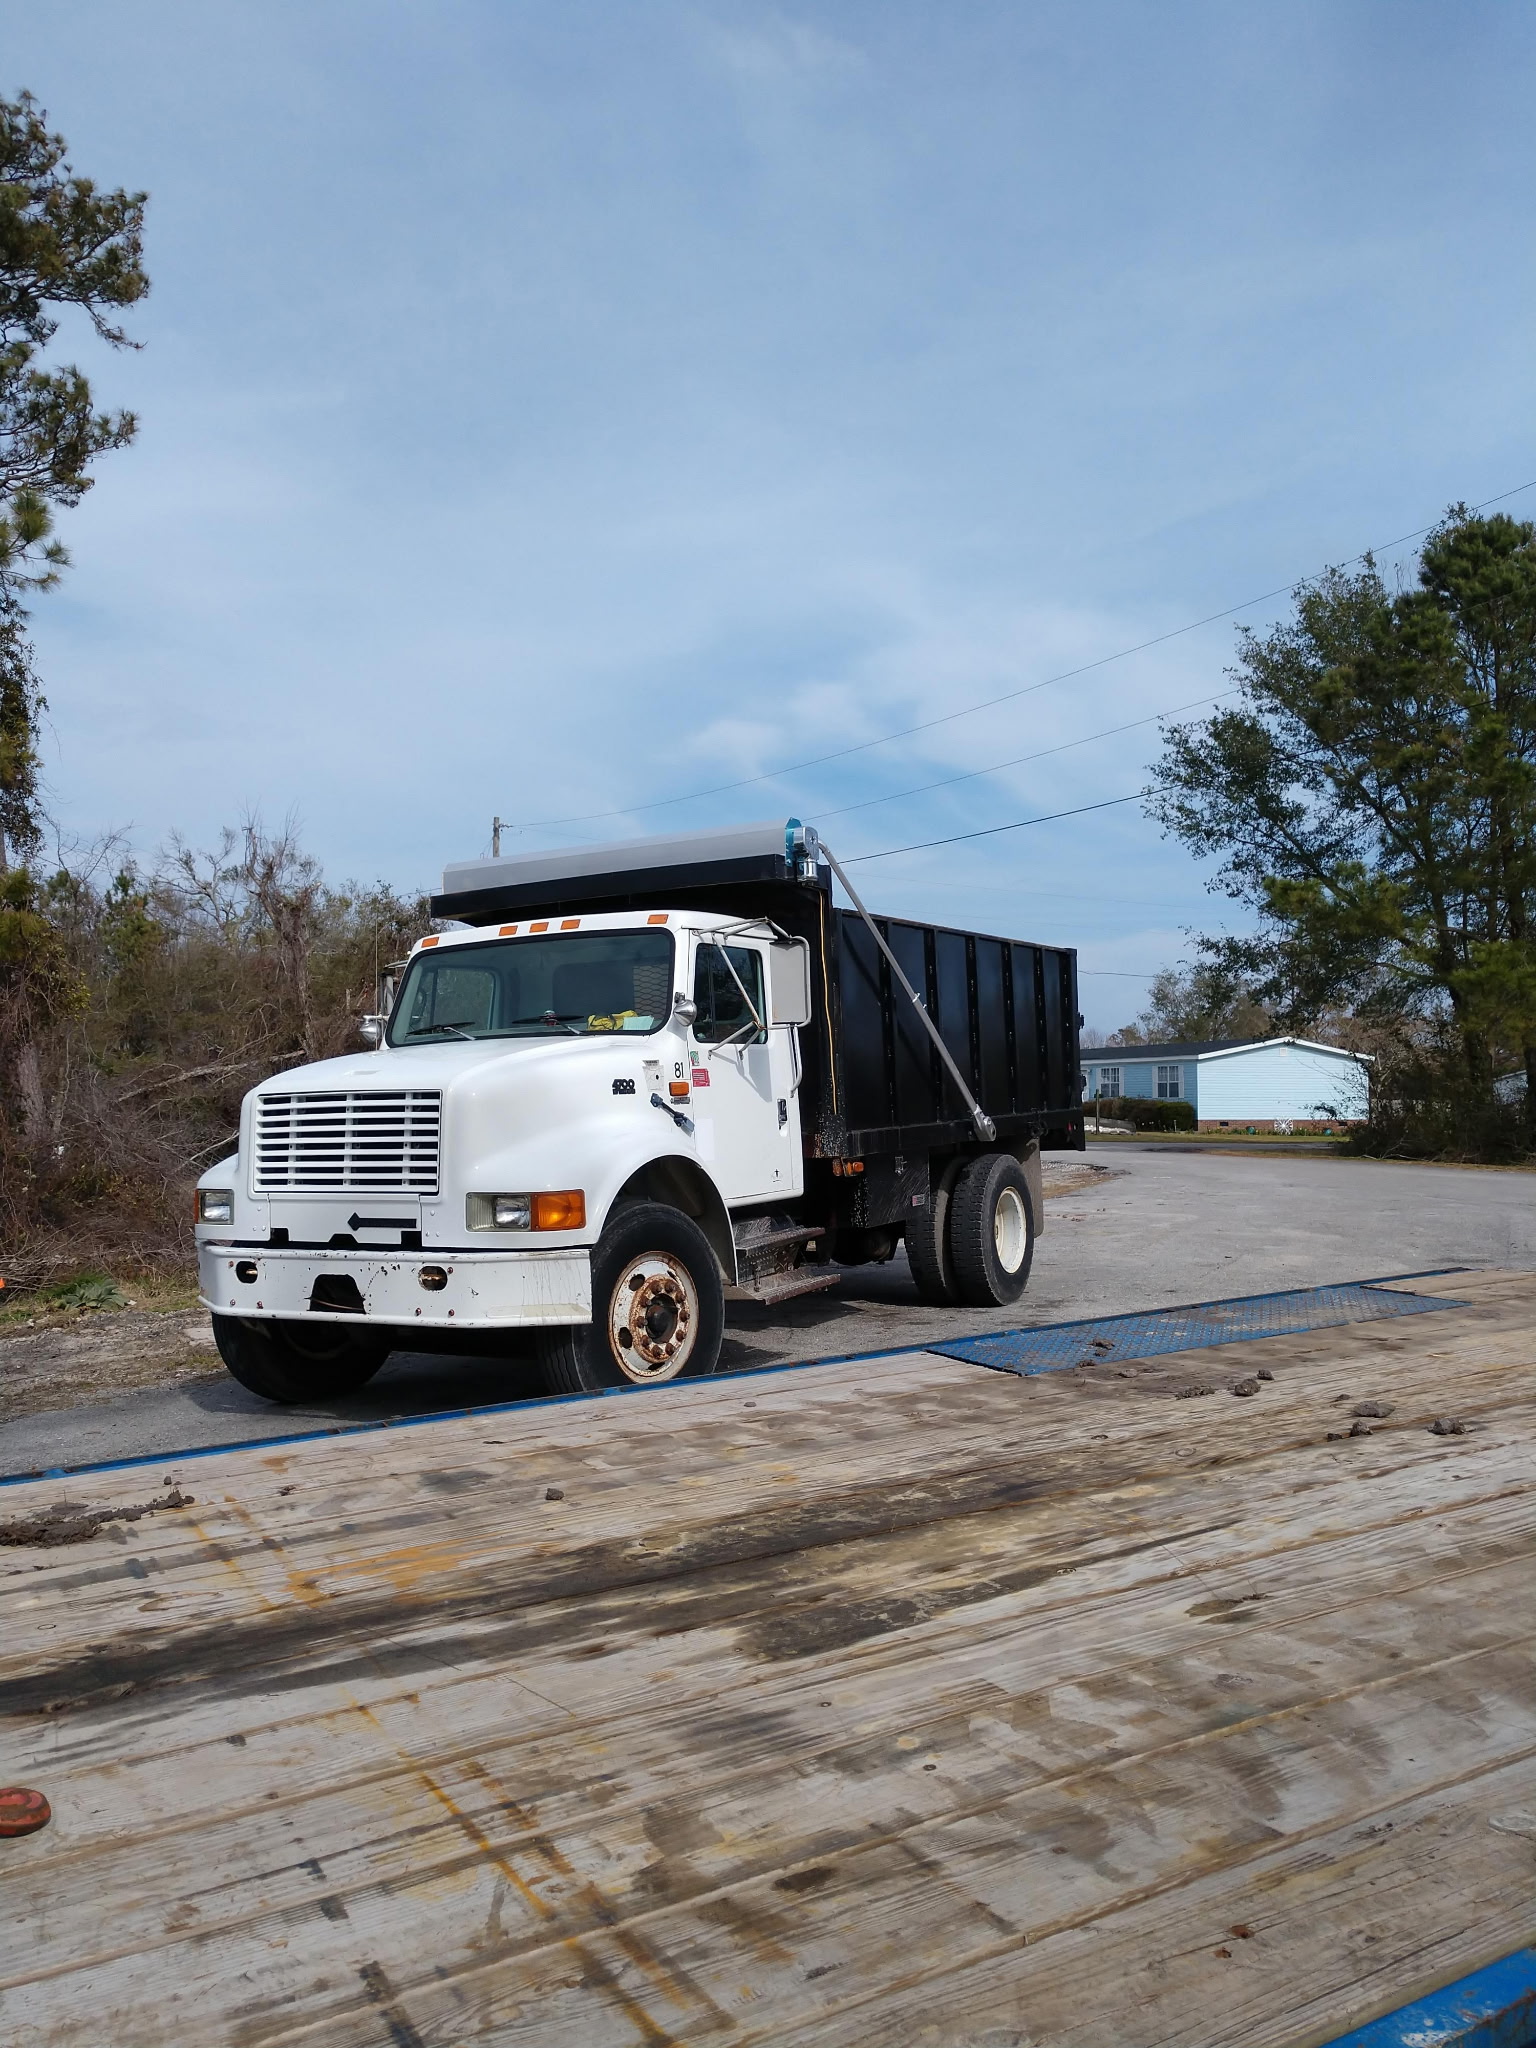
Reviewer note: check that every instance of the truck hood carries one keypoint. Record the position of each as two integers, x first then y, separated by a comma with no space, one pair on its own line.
439,1066
517,1114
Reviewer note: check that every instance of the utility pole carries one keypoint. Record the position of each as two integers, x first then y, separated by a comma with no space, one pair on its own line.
495,839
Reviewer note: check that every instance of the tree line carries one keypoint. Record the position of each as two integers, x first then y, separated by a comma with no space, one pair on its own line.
173,992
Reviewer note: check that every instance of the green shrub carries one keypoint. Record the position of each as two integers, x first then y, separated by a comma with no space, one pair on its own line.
1147,1113
1425,1105
91,1290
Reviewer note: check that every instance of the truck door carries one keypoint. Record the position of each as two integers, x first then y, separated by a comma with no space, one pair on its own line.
746,1108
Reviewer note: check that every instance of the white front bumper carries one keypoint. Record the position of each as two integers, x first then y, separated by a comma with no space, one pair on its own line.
485,1290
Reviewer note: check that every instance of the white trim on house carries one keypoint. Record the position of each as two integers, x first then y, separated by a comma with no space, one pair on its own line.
1226,1052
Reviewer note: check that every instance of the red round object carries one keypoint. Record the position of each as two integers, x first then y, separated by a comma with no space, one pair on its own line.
22,1812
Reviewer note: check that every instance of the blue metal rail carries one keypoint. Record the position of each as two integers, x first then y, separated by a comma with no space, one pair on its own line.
1493,2008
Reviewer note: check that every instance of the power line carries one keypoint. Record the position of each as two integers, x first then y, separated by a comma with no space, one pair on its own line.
1007,696
991,831
970,775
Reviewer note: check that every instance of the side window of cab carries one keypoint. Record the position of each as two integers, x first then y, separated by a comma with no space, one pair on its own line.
728,990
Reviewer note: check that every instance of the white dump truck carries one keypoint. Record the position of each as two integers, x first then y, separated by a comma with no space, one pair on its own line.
620,1083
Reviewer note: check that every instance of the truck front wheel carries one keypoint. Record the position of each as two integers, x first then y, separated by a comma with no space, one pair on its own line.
658,1307
991,1231
284,1361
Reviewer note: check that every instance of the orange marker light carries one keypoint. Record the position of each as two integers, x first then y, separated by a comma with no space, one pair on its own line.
679,1088
508,931
540,924
428,942
657,917
566,1210
569,924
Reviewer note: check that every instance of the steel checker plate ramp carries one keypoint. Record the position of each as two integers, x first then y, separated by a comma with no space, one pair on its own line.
1055,1346
1493,2008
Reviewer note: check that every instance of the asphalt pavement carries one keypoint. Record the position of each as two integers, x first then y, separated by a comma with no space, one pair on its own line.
1163,1228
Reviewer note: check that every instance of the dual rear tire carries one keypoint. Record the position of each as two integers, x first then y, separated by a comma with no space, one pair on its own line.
974,1244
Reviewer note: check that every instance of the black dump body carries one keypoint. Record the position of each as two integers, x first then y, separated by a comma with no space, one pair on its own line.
1007,1012
875,1087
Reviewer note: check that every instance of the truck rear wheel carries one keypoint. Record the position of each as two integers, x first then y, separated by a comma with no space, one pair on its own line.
991,1231
284,1361
658,1307
927,1235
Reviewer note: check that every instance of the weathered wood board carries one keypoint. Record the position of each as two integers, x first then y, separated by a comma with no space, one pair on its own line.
884,1702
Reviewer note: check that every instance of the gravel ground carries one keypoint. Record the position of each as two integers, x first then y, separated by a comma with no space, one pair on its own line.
1128,1228
100,1355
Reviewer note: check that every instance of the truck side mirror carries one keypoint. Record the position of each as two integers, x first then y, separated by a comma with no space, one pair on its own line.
789,982
684,1008
371,1031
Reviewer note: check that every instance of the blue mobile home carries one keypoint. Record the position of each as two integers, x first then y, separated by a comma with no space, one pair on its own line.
1234,1081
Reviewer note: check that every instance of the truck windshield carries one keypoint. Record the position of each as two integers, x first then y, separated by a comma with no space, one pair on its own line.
537,987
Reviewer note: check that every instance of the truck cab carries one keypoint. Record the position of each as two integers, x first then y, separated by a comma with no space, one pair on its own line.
529,1082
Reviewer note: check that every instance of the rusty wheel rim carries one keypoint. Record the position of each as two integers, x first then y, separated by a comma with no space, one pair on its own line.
653,1318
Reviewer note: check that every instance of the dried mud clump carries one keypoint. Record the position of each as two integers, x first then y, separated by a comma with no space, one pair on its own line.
69,1521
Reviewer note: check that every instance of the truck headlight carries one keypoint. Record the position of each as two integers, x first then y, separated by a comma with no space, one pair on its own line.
565,1209
499,1212
215,1205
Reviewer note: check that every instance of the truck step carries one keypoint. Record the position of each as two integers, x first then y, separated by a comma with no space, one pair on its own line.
767,1233
776,1287
770,1253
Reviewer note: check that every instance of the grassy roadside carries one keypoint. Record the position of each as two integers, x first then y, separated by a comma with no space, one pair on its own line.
1236,1141
1324,1148
65,1306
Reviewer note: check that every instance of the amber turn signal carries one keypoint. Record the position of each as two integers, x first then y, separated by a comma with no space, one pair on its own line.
566,1210
678,1089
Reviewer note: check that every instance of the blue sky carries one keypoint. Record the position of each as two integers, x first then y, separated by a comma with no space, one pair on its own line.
549,409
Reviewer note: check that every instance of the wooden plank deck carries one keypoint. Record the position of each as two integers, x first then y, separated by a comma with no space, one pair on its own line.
885,1702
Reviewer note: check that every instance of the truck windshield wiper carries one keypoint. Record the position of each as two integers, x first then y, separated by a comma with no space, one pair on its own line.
550,1017
425,1030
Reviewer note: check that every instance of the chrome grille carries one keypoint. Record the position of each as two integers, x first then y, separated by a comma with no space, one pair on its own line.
315,1142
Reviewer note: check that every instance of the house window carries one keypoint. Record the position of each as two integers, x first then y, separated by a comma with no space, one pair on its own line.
1109,1080
1168,1084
